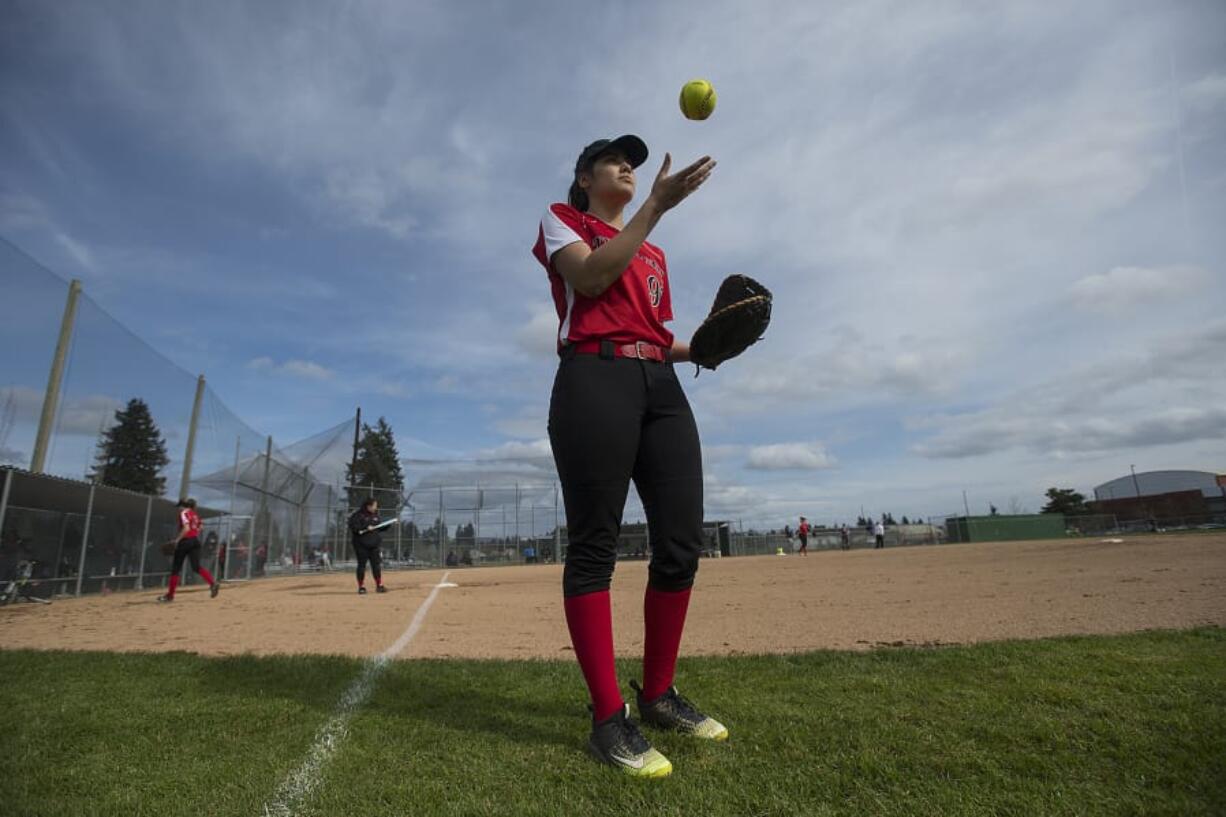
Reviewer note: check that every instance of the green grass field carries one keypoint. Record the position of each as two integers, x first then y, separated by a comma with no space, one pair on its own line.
1108,725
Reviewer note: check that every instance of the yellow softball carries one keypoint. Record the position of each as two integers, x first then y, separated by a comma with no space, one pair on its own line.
697,99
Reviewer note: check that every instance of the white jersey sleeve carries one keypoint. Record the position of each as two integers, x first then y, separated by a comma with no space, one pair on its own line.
557,233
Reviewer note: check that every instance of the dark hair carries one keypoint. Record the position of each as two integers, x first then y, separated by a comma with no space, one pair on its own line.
187,503
578,196
366,503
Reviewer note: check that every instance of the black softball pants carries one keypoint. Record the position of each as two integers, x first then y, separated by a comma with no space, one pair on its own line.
610,421
374,556
189,550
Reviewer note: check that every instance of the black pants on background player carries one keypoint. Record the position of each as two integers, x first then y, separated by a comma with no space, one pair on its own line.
375,557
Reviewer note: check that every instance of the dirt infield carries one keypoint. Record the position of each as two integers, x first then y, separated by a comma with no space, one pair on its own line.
855,600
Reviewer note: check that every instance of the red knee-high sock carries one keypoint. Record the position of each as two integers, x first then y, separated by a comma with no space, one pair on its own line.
206,575
663,621
174,582
590,620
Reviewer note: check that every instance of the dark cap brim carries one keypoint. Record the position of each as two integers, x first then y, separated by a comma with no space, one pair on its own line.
629,145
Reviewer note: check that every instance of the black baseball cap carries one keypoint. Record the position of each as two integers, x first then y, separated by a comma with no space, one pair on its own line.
634,149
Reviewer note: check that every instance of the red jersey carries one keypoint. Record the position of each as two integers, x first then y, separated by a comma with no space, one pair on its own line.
191,520
633,308
803,530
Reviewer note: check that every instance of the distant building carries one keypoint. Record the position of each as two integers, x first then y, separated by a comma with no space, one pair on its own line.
1162,495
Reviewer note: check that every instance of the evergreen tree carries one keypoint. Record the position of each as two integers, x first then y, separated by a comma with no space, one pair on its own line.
377,467
132,453
431,535
1065,501
905,521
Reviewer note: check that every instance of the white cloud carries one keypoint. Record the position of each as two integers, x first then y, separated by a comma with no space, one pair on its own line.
834,366
539,335
393,388
74,415
538,449
1001,430
1168,395
19,211
529,422
78,251
1123,289
305,369
803,456
1206,93
308,369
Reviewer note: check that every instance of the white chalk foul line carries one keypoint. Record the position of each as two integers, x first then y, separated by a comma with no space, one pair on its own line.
302,782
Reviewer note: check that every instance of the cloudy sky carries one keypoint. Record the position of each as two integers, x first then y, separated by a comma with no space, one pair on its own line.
989,227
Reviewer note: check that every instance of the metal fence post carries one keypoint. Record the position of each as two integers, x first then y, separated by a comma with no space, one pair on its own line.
4,497
55,379
225,546
89,512
255,525
399,511
144,544
185,481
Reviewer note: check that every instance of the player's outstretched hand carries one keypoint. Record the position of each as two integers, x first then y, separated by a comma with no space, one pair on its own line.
669,191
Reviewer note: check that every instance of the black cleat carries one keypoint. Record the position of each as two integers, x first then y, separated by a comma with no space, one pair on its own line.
361,591
167,598
618,742
671,711
380,589
214,589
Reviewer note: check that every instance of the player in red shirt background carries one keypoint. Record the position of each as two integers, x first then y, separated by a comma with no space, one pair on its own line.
617,413
802,531
188,547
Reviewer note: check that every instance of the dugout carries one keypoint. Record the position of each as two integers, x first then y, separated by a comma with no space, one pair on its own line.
1005,528
84,537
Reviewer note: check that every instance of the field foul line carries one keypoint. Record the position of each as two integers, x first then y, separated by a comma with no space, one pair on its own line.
302,782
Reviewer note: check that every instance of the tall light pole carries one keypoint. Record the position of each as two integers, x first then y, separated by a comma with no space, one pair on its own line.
1140,503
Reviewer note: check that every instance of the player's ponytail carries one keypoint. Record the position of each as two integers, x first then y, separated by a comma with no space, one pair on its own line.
578,197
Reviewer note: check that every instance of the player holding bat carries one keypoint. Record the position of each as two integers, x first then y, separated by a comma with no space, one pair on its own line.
364,524
617,413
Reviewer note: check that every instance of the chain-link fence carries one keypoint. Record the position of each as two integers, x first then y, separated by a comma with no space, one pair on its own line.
80,537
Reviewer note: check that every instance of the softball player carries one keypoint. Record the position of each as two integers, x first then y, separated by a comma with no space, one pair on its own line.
618,413
366,542
187,547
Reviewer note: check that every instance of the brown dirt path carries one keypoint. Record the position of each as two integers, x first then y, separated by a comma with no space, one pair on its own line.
854,600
